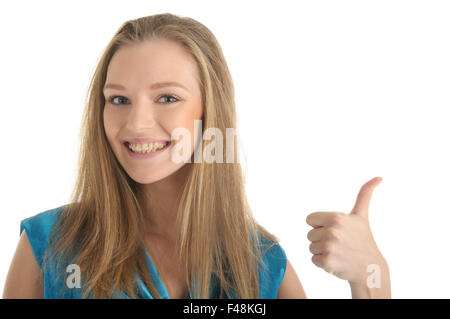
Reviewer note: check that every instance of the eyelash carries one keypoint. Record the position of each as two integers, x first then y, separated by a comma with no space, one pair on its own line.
111,98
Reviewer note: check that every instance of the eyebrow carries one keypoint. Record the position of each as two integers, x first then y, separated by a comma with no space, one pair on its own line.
154,86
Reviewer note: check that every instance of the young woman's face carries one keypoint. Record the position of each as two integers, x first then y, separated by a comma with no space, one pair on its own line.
140,109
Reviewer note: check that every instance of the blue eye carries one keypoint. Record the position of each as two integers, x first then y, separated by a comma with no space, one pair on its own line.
170,96
111,99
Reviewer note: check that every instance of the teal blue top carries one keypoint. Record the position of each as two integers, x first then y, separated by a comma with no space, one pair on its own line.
38,229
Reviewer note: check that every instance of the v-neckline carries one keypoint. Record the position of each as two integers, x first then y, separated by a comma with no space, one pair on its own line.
158,277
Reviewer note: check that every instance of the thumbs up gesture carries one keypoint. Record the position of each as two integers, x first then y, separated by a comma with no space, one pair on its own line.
342,244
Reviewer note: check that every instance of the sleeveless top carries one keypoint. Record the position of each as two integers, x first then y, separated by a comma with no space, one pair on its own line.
39,226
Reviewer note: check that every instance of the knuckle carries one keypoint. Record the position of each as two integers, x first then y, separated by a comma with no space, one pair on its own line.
335,220
333,234
338,220
326,260
323,261
317,260
328,246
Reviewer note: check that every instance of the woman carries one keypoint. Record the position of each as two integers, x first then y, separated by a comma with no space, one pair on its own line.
143,225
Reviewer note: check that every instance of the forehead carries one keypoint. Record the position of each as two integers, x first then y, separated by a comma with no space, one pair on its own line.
152,61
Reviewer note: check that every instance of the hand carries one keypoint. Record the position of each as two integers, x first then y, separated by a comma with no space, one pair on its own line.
342,244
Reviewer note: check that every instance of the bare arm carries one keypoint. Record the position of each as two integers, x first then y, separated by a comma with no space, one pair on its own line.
290,287
24,279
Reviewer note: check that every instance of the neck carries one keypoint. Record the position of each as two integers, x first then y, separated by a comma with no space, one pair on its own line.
161,200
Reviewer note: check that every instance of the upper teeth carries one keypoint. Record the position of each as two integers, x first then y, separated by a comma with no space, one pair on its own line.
146,147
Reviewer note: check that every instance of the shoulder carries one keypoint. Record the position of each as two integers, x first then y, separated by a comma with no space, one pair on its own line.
42,221
272,268
291,287
25,278
278,279
273,255
38,229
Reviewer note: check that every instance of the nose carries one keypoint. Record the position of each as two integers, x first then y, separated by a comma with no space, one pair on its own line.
141,116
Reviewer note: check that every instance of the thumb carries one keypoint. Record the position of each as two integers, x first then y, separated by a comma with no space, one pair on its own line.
361,207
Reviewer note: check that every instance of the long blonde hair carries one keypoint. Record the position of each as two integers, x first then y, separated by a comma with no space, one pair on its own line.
100,228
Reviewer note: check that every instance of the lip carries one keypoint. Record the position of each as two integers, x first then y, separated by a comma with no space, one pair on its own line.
142,156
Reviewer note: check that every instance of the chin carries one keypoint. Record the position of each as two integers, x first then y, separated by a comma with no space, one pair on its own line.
148,177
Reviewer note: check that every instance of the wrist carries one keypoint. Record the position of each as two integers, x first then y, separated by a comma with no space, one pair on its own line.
376,283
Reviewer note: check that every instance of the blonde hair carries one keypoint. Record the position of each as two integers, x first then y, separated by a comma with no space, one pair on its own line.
100,229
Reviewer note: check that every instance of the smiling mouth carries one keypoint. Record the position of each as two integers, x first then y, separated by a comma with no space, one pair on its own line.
146,148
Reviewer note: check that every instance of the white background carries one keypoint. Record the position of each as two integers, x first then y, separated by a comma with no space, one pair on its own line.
329,95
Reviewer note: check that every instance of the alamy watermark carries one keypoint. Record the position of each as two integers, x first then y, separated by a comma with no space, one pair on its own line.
212,152
74,279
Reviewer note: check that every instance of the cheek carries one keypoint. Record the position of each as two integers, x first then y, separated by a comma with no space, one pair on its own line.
110,123
193,114
184,118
